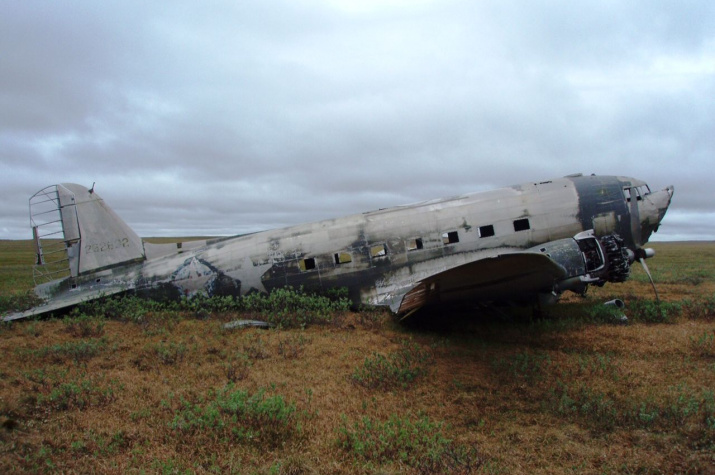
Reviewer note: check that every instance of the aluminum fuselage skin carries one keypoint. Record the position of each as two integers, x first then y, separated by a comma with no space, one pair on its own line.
380,255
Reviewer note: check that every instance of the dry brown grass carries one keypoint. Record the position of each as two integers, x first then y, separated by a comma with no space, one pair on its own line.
569,393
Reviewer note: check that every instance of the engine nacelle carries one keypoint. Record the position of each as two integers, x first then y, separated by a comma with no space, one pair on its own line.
588,259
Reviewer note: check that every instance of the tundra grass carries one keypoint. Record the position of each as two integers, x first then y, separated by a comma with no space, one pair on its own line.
16,258
149,390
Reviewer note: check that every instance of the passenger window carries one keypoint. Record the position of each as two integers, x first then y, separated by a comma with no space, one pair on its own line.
522,224
414,244
342,257
486,231
378,251
307,264
450,237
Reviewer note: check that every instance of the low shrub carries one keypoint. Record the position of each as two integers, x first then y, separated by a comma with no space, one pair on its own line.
19,302
682,406
236,368
290,308
83,326
284,307
254,346
418,443
63,390
600,313
122,307
704,344
168,353
400,368
650,311
78,351
700,309
291,346
234,414
524,365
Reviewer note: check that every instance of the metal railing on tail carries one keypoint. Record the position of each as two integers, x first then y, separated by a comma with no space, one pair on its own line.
51,261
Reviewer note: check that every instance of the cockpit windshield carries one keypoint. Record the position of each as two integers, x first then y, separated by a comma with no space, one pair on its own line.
640,192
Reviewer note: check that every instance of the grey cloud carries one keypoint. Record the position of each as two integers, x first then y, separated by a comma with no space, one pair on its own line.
232,117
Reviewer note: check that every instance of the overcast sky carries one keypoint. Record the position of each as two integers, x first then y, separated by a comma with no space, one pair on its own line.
224,117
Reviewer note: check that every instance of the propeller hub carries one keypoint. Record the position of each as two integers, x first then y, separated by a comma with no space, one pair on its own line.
642,253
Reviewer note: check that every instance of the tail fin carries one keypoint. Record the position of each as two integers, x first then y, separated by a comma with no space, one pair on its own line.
76,232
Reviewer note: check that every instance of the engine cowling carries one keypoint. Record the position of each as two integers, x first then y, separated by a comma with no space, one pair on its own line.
588,260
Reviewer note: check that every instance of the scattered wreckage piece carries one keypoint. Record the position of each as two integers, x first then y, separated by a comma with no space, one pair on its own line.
246,324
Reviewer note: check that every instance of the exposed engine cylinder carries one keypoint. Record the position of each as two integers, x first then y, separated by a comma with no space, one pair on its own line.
590,260
618,259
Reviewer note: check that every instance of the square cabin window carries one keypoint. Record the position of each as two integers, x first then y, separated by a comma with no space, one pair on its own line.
307,264
379,250
522,224
414,244
342,257
486,231
450,237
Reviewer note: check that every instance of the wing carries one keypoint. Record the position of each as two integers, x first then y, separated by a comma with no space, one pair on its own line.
512,276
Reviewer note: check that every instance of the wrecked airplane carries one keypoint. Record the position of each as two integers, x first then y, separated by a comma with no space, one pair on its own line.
525,243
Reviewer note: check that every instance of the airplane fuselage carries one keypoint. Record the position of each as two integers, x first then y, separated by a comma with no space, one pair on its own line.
379,255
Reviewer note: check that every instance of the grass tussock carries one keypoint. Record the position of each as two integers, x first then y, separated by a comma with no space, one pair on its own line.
75,351
233,415
49,390
131,385
398,369
418,443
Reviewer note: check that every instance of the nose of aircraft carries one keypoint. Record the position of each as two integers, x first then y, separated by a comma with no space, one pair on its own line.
663,202
653,209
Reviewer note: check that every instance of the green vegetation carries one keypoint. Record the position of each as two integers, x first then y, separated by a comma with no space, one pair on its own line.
83,326
399,368
418,443
62,390
77,351
704,344
16,258
650,311
284,307
234,415
682,406
126,384
523,366
19,301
